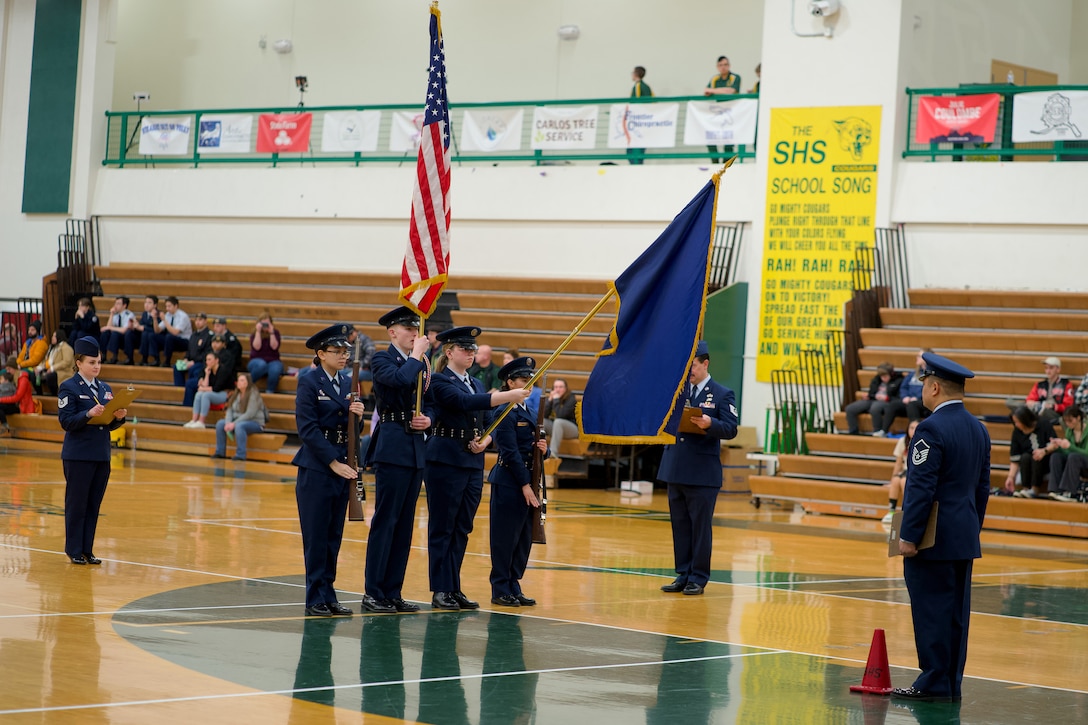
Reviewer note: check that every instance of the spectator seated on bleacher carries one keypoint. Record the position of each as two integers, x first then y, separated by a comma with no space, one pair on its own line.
85,323
232,347
58,366
9,344
173,329
1050,397
192,365
899,475
264,352
1029,454
213,388
559,415
120,321
33,350
1069,457
909,402
143,332
880,401
486,371
21,401
1080,397
245,415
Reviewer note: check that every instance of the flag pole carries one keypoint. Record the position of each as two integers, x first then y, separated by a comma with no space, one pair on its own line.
547,363
419,378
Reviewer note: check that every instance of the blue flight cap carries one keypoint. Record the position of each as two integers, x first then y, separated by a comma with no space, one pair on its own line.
520,367
87,346
702,349
332,336
945,369
400,316
461,336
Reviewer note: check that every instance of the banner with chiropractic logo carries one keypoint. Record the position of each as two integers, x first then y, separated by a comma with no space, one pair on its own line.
821,204
564,127
350,130
492,129
225,134
405,131
642,125
1050,116
165,135
957,119
284,132
727,122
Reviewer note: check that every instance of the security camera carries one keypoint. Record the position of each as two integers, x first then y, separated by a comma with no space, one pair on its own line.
823,8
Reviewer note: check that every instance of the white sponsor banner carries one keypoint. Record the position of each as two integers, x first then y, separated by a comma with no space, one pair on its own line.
1050,116
350,130
229,133
165,135
492,129
564,127
642,125
404,133
724,122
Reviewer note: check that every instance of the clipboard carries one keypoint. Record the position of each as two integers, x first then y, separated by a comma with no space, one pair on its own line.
121,399
686,426
928,538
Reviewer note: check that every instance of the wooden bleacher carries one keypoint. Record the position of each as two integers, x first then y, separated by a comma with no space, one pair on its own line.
533,315
1003,337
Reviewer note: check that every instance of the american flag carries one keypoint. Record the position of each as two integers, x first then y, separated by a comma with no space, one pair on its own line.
428,256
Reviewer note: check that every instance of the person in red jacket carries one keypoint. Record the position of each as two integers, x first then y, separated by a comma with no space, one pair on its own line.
21,402
1050,397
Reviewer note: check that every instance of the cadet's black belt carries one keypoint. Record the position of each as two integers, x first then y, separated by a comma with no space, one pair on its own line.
528,463
460,434
335,435
396,416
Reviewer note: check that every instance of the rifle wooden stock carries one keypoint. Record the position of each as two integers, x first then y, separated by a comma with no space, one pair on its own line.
355,501
536,475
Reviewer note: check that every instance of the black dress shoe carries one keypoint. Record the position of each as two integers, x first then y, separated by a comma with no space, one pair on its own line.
526,601
402,606
444,600
78,560
339,609
92,559
673,587
319,610
218,455
692,588
378,606
911,693
463,601
506,600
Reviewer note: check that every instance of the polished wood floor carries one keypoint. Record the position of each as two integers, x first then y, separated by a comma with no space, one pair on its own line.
196,615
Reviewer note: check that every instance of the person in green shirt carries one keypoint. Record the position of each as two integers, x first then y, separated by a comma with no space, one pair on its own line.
639,90
1070,457
723,84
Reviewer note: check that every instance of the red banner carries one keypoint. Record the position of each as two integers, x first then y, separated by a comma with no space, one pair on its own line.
957,119
283,132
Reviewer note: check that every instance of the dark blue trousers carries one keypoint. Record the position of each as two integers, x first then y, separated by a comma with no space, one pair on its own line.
940,605
511,539
396,491
691,510
86,487
453,495
322,506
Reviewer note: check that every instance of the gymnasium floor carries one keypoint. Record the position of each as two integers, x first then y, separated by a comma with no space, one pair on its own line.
196,615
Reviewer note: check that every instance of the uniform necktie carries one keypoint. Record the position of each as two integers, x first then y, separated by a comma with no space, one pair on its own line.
468,383
94,389
336,385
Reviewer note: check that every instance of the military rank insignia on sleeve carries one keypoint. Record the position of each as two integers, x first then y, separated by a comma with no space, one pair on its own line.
62,402
921,452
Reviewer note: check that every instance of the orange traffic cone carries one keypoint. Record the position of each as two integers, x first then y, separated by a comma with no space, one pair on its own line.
877,679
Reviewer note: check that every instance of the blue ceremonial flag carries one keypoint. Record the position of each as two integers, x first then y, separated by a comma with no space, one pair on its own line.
631,395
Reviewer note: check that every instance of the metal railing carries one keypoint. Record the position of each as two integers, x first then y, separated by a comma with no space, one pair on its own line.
1002,148
724,254
807,397
122,136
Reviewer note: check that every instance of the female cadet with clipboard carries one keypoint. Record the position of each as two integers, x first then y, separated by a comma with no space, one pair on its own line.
86,450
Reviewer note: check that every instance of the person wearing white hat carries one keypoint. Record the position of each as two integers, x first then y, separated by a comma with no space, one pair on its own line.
1050,397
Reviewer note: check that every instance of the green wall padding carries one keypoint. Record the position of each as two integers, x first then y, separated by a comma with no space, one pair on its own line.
723,330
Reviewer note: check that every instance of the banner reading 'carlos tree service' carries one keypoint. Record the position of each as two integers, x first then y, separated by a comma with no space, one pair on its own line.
821,200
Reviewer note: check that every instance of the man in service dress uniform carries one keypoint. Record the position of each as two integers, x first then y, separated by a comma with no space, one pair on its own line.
397,453
948,476
322,403
692,467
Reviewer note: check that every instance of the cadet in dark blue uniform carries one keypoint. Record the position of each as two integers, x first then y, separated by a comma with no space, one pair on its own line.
86,450
513,504
322,404
693,469
948,467
398,455
455,463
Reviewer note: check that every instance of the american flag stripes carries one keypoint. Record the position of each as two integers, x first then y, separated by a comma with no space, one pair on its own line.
423,275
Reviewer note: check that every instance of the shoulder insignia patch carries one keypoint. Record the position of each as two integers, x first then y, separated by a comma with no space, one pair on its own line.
62,402
921,452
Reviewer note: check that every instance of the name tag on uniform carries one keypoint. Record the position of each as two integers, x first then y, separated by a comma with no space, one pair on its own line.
84,397
322,396
521,423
